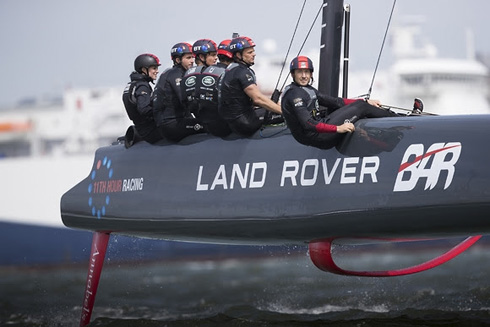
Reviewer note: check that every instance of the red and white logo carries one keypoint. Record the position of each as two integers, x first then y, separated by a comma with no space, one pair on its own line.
417,164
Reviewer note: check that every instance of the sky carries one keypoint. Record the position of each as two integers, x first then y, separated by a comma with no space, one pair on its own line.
52,45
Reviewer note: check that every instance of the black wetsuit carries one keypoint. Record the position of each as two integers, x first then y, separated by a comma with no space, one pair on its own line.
171,116
188,87
234,105
207,96
138,104
301,109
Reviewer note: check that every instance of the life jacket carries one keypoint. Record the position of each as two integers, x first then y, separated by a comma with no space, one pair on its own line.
311,103
207,89
130,101
188,86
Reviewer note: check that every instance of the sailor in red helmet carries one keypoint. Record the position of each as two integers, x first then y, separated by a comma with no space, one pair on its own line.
207,92
239,93
171,116
137,97
311,126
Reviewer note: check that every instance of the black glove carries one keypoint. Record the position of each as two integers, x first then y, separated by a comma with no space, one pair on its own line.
275,96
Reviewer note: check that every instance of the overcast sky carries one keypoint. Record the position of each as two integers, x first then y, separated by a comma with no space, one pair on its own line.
50,45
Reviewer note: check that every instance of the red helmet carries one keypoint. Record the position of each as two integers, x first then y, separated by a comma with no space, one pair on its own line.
241,43
224,48
301,62
180,49
145,60
204,46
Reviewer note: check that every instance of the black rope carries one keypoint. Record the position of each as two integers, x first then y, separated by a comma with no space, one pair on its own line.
381,50
304,42
290,44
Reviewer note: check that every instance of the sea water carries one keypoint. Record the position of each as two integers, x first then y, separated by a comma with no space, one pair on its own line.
274,289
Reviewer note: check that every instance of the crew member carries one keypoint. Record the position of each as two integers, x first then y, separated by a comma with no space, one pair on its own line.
137,96
239,92
311,126
205,52
207,93
171,116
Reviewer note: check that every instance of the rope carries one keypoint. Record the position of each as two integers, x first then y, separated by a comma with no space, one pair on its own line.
304,42
381,50
290,44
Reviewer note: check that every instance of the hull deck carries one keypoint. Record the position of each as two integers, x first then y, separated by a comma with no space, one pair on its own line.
394,177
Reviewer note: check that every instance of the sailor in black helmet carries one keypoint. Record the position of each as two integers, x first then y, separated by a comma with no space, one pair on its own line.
171,116
137,96
311,126
239,92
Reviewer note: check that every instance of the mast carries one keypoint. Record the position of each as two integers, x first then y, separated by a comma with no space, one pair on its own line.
345,73
330,45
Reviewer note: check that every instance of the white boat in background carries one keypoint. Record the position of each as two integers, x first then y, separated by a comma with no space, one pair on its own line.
46,147
418,72
77,123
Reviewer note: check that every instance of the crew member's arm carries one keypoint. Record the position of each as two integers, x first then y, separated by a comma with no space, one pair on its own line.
261,100
143,99
309,123
176,79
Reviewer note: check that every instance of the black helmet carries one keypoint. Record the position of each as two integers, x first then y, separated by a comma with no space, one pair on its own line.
301,62
224,48
241,43
180,49
204,46
145,60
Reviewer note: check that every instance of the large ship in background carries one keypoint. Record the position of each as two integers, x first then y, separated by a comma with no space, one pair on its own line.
417,71
47,147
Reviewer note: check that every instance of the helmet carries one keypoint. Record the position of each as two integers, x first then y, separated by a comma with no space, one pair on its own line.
204,46
240,43
301,62
224,48
180,49
145,60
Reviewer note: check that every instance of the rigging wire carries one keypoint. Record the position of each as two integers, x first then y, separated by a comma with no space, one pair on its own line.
381,51
290,44
304,42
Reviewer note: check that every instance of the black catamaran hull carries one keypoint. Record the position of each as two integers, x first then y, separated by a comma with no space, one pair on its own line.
421,176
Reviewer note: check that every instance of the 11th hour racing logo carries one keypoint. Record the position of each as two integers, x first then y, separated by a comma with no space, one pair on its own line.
420,164
102,185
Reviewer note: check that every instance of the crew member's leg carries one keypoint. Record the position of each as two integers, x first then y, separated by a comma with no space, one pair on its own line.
245,125
176,130
218,127
359,109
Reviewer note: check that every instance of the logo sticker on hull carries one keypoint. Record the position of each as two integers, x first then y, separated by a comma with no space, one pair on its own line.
102,185
427,165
